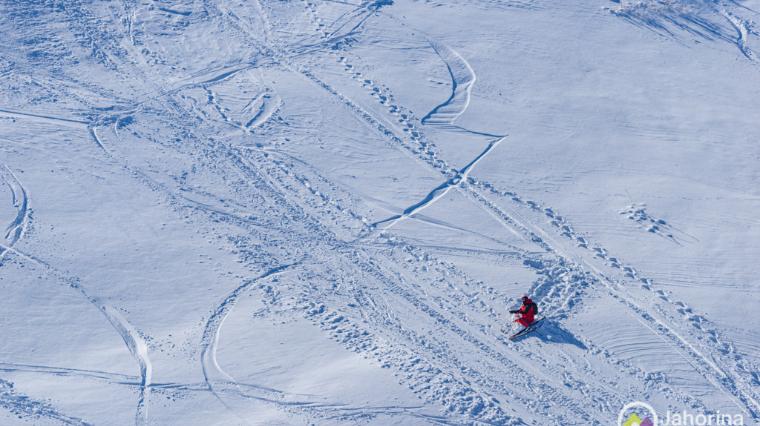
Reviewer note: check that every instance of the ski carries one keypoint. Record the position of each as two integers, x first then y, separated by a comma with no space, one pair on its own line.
527,330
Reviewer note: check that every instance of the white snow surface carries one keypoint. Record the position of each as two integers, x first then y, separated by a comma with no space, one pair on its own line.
265,212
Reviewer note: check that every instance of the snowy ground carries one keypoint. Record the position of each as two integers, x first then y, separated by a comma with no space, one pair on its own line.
319,212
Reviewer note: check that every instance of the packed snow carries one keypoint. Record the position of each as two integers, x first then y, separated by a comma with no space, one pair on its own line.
224,212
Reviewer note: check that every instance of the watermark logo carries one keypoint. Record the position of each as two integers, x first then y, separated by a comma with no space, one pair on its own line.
635,420
642,414
638,413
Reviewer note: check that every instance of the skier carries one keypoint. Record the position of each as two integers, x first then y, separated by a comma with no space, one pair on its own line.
527,312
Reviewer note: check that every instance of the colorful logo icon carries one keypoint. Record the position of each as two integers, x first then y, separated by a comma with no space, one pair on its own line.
635,420
637,414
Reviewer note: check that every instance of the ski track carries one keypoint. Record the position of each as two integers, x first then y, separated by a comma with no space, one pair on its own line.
742,34
212,100
66,372
15,230
131,337
91,127
266,105
462,80
96,139
210,338
45,117
139,350
326,410
437,193
244,390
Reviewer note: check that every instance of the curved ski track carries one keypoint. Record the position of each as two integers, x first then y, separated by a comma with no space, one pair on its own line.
15,230
742,34
210,339
139,350
462,79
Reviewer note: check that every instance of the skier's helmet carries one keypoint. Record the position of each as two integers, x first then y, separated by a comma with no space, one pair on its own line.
524,297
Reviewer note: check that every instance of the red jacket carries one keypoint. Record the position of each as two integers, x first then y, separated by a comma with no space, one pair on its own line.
528,310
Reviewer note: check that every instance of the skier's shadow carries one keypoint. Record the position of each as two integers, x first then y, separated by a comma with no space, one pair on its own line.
552,332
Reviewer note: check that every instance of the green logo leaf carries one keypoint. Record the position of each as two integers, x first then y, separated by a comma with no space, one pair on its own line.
633,420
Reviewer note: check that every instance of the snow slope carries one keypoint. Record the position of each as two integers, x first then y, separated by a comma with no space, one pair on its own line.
320,212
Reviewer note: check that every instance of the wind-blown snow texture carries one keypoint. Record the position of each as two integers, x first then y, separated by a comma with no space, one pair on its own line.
268,212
